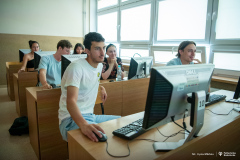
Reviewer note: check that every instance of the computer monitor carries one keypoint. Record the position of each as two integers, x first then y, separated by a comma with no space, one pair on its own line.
171,88
67,59
140,67
237,90
22,52
39,54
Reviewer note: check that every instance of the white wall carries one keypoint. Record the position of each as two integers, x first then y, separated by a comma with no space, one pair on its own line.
41,17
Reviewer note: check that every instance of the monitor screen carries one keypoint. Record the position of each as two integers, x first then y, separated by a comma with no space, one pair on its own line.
140,67
22,52
169,87
237,91
39,54
67,59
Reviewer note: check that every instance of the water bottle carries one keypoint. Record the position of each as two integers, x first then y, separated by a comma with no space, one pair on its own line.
119,73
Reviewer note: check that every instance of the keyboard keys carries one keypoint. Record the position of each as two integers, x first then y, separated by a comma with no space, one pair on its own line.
131,130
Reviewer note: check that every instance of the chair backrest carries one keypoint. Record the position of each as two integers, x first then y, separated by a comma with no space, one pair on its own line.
99,99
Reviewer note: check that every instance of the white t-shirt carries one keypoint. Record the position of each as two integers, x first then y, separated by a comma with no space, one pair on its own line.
85,77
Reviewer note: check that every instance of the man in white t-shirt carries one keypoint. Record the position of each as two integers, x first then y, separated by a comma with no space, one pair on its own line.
79,87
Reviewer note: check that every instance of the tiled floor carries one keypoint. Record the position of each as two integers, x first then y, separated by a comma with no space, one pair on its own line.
12,147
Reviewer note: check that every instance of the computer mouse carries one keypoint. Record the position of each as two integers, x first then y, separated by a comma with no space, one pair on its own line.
104,137
53,85
111,80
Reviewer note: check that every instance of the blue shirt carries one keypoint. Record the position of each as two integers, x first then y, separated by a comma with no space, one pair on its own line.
53,68
176,61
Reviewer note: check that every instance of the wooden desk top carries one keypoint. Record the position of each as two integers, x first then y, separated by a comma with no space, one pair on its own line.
12,63
143,149
33,91
225,80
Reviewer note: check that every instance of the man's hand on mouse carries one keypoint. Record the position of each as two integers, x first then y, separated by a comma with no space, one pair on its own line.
88,129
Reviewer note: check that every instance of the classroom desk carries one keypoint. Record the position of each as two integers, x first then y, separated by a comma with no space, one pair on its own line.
80,147
44,134
21,81
224,83
134,94
42,110
11,67
125,97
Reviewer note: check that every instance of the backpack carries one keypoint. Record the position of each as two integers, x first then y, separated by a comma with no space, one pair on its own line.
19,126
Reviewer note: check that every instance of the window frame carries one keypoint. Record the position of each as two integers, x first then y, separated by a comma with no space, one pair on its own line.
133,5
108,12
178,41
213,39
224,72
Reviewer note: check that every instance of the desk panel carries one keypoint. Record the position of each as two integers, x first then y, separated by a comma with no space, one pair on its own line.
21,81
11,67
224,83
52,146
134,95
44,133
113,105
32,118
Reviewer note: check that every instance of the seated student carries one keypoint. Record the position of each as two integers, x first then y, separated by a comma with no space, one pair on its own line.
50,66
111,63
79,87
185,55
28,59
78,49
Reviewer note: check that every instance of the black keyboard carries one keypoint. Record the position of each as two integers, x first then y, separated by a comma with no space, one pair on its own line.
131,130
214,98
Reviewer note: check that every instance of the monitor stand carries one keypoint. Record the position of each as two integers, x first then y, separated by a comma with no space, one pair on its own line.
196,121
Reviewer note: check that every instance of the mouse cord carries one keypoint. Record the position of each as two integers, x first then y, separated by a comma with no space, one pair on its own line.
119,156
220,114
172,135
150,140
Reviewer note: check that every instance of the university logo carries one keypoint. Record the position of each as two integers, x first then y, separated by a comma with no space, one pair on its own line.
220,153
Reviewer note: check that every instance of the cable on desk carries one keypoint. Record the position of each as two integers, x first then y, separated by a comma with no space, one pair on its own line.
172,135
220,114
150,140
179,125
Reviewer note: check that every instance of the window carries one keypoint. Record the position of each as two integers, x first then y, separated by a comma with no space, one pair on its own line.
135,23
128,53
153,27
107,26
226,60
226,22
106,3
180,19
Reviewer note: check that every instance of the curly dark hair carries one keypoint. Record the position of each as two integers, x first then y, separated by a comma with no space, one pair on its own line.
91,37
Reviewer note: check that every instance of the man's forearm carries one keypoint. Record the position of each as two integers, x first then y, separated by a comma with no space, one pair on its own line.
76,114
